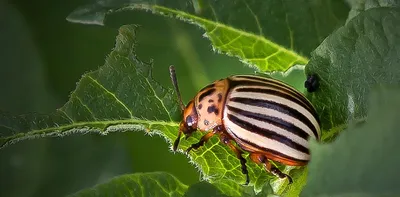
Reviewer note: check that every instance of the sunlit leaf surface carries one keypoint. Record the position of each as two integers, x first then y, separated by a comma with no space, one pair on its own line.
269,35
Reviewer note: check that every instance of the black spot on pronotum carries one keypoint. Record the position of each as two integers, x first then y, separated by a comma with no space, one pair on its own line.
200,106
206,122
211,109
219,97
210,101
312,83
216,111
206,93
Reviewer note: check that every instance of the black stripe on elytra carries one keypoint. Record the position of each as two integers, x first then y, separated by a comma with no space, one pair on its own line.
206,93
280,94
274,152
278,107
269,80
276,121
271,83
267,133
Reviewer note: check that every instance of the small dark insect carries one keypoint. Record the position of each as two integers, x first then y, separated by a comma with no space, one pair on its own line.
312,83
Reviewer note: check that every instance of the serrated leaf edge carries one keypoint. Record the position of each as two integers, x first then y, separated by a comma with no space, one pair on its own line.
192,19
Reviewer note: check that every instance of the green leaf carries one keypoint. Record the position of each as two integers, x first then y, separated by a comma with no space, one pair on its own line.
356,57
204,189
225,188
121,96
294,76
157,184
358,6
164,184
269,35
363,160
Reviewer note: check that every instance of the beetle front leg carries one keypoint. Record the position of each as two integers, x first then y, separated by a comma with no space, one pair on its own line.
262,159
203,140
239,154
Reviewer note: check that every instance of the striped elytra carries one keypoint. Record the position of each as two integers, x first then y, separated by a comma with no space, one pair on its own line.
261,116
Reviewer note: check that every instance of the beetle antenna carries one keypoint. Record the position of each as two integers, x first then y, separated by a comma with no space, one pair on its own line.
175,83
178,93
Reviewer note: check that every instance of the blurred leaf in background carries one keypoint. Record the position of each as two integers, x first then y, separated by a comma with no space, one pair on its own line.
155,184
23,89
347,168
33,165
164,184
358,6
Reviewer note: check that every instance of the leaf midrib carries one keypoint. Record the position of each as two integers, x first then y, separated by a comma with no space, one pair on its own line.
217,24
90,124
160,9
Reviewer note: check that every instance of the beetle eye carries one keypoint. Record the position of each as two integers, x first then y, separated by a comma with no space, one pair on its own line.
189,121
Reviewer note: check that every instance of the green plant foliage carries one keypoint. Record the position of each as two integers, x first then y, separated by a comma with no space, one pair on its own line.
349,62
347,168
160,184
157,184
122,96
358,6
101,102
294,77
269,35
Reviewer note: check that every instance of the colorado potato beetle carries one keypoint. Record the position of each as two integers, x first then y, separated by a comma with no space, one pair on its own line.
265,117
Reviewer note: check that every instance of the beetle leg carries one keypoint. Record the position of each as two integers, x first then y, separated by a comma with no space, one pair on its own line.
259,158
239,154
203,140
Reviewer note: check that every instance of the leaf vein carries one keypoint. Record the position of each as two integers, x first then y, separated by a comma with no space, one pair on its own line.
88,124
159,99
213,11
85,106
231,41
7,127
288,26
66,115
250,35
112,94
255,17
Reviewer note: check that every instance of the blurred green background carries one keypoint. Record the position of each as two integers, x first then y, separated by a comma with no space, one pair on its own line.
43,57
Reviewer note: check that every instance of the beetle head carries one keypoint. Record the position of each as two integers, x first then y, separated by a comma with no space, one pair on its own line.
188,124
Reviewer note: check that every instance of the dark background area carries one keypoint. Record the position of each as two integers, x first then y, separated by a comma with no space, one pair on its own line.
42,58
